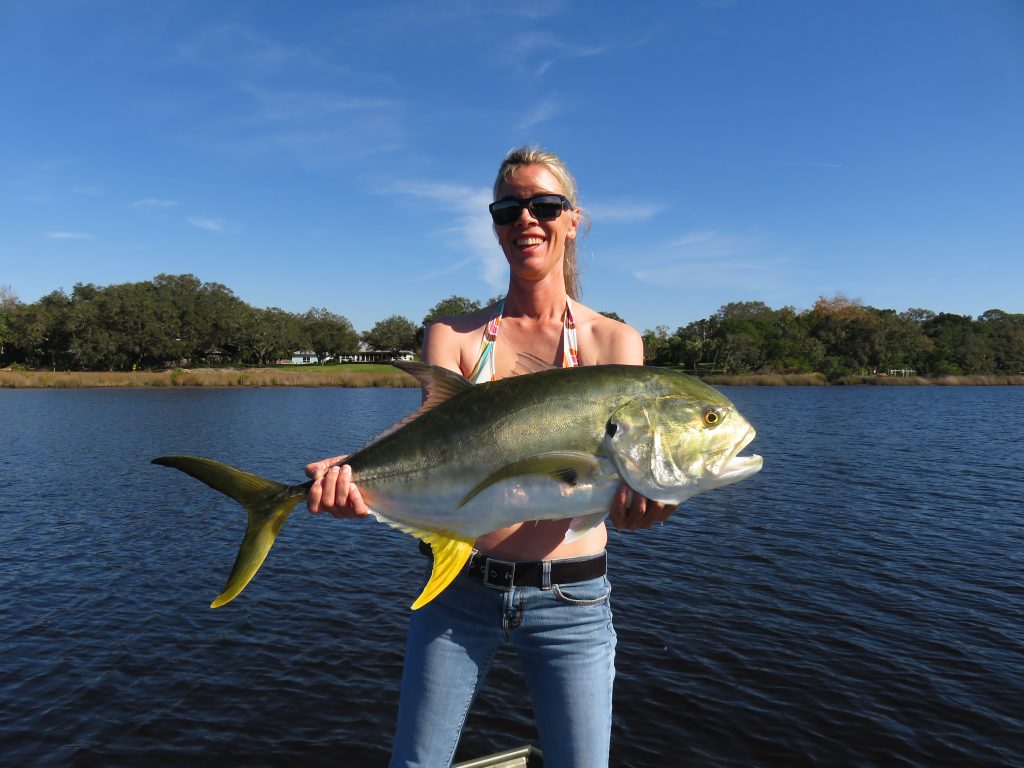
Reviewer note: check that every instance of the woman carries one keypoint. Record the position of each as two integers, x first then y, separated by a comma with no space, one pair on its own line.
562,630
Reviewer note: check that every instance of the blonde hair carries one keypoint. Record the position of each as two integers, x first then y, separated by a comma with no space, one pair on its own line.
524,156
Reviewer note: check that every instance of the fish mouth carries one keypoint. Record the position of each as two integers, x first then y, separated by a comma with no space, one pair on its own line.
737,467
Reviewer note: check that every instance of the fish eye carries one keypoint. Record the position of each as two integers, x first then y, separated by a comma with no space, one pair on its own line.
712,417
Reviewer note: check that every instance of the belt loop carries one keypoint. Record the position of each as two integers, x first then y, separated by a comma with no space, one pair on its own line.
545,578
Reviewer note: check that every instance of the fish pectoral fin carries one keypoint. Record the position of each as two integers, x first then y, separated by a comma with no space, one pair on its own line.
584,524
450,556
570,467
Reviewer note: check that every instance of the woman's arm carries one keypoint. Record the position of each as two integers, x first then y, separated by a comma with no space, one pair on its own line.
333,490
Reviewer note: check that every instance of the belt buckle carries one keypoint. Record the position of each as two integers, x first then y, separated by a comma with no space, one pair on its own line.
499,574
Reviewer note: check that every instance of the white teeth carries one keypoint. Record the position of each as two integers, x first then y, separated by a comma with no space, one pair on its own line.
527,241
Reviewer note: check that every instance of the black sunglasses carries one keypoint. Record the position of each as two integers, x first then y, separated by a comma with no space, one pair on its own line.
541,207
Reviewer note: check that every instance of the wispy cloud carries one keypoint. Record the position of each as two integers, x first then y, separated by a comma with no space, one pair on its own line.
241,48
318,122
318,127
419,14
88,190
471,231
811,164
622,210
68,236
210,225
147,203
311,104
543,112
709,258
543,50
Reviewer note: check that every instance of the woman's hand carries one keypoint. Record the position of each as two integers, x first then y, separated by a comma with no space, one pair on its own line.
631,511
333,490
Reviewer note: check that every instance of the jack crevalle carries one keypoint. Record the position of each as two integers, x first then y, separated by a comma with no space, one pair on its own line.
549,445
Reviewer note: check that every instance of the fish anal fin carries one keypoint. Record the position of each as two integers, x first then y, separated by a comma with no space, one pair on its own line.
569,467
450,556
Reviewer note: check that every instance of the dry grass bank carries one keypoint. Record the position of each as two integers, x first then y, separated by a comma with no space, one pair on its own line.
819,380
934,381
769,380
382,376
386,376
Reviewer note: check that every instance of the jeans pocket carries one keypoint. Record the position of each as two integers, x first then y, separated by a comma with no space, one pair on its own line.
590,592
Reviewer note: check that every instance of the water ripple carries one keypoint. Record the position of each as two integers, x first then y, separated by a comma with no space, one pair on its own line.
859,602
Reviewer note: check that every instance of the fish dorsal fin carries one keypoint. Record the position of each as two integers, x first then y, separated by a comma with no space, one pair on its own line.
569,467
439,384
527,363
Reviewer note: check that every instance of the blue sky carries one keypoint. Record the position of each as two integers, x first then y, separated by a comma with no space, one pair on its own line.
340,154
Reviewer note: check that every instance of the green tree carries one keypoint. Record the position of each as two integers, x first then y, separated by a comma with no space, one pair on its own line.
8,302
327,334
840,326
655,345
453,305
392,334
36,332
960,345
1005,334
745,330
220,316
269,334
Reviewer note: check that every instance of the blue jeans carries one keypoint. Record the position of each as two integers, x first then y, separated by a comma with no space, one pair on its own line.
565,643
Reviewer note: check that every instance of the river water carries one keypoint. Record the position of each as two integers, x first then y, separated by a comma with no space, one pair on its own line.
860,602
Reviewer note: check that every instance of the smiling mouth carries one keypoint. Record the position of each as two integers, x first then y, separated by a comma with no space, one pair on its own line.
526,242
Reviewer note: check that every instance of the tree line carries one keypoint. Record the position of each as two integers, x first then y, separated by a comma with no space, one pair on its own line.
840,337
174,320
178,319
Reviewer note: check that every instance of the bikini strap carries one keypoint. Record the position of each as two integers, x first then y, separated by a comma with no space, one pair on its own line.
570,349
484,368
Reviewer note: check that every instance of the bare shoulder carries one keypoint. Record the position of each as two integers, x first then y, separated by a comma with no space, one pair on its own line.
603,340
451,339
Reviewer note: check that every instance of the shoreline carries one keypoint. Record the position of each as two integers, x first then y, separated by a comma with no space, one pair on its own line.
819,380
336,376
386,376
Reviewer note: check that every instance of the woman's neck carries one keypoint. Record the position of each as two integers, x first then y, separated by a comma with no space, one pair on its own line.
540,300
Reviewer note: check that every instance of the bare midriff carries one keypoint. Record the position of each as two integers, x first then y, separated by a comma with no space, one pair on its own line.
540,540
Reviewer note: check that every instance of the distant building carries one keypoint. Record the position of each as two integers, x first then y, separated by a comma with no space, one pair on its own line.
214,355
305,357
308,357
375,356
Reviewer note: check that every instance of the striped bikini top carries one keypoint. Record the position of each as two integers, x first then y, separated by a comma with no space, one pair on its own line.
484,368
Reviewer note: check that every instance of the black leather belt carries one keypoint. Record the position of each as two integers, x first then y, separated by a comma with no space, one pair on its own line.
503,575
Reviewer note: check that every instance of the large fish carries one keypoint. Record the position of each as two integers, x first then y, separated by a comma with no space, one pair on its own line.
549,445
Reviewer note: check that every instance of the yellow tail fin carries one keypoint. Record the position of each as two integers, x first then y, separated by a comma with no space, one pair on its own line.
267,503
